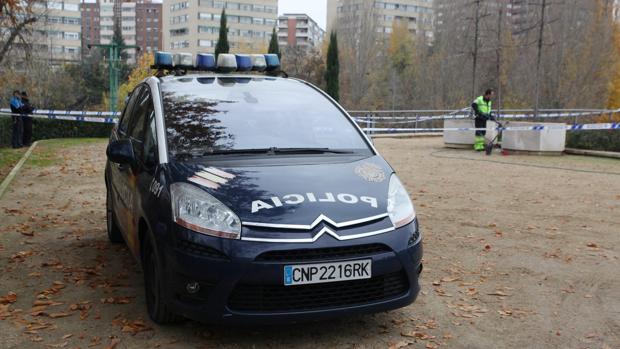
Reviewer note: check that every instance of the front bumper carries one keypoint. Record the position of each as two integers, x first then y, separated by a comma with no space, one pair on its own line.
238,285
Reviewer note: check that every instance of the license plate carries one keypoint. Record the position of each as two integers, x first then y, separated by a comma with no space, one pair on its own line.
327,272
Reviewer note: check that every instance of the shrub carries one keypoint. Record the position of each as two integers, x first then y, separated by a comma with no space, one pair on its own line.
606,140
50,128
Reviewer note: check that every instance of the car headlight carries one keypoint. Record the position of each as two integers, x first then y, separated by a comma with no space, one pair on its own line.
399,206
195,209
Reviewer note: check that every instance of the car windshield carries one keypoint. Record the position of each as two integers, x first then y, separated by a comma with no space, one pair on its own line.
219,115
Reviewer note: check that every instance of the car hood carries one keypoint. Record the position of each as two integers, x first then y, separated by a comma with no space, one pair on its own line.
294,192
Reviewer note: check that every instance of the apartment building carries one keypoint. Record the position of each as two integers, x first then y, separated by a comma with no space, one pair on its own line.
90,24
140,23
519,15
298,29
148,26
348,15
56,35
193,25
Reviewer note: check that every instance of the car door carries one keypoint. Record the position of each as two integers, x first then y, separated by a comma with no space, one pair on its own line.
118,172
140,174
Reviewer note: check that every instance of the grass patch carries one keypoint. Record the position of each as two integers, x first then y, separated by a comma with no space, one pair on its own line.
47,151
8,158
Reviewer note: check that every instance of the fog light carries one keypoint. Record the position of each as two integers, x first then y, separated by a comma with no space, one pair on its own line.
192,287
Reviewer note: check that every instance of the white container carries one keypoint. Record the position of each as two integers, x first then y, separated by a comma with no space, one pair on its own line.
551,140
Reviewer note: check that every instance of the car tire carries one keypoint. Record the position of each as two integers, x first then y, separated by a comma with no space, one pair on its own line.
114,232
154,284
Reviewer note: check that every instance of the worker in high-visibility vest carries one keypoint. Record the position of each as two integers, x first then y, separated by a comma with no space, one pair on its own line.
482,110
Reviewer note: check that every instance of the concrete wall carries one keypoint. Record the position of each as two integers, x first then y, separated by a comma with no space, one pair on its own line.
548,140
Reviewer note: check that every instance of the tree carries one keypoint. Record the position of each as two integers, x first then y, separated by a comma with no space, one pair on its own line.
222,41
333,68
273,44
140,72
17,17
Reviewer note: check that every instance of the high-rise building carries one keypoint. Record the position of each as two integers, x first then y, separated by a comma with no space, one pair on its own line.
458,15
148,26
56,35
348,15
299,30
90,24
139,23
193,25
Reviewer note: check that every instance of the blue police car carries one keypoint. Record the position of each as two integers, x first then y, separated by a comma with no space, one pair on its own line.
249,197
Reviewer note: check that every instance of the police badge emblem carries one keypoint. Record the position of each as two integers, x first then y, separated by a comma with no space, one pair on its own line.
370,172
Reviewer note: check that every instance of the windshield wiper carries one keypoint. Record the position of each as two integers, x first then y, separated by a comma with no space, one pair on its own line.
276,150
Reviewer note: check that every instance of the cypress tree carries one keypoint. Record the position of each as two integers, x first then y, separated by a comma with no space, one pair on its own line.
333,67
273,44
222,41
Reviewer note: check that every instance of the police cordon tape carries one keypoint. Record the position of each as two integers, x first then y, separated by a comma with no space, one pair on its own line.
50,112
109,120
574,127
460,115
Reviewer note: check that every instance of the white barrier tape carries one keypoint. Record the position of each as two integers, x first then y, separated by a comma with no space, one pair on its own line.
575,127
67,112
67,117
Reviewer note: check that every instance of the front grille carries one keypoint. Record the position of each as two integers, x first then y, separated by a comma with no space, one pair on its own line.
200,250
322,253
259,298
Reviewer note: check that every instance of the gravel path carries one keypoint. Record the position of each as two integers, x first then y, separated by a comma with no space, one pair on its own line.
520,251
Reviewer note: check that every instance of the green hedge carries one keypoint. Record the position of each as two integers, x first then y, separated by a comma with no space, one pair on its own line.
49,128
607,140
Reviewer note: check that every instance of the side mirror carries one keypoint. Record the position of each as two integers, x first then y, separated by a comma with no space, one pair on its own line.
121,152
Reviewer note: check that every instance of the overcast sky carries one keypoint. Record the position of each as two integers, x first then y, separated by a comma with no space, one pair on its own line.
317,9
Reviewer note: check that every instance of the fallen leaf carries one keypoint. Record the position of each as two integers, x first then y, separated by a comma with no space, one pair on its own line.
399,345
11,297
59,315
592,244
113,343
499,293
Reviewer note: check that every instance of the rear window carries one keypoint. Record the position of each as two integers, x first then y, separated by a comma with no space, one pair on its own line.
210,114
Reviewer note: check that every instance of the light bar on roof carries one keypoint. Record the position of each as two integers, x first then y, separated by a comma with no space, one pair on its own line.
205,61
226,62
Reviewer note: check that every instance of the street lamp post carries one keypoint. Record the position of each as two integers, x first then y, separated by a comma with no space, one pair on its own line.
114,51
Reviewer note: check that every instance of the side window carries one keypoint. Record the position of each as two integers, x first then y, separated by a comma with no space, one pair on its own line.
126,117
150,140
141,110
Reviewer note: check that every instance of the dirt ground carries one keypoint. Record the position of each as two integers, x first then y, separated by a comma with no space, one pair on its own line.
520,252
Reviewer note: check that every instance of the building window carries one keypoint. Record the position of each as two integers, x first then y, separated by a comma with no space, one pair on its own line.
179,6
205,43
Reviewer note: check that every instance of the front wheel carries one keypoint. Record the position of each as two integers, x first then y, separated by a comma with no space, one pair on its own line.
154,287
114,232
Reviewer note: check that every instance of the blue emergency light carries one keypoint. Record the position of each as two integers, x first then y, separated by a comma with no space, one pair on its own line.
273,62
163,60
244,62
205,61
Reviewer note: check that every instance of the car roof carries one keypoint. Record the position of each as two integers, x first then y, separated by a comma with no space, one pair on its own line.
194,77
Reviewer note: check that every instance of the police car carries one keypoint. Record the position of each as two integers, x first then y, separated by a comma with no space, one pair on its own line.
249,197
